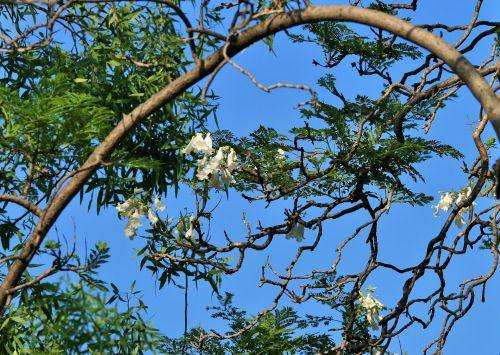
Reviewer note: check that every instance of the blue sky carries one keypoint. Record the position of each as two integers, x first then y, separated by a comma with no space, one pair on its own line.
404,232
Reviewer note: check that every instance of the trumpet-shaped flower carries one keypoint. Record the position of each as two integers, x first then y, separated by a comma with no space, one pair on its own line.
160,206
463,195
212,167
231,160
199,144
124,208
216,169
152,217
134,222
460,218
227,178
372,307
445,203
190,233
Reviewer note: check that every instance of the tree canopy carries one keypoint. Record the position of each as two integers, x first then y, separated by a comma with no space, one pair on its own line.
113,103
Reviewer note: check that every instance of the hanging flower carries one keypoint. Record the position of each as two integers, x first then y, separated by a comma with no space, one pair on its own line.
372,307
231,160
445,203
216,169
464,194
447,200
152,217
134,222
189,235
160,206
123,208
199,144
134,210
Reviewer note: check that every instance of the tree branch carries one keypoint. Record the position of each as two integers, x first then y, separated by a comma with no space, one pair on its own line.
279,22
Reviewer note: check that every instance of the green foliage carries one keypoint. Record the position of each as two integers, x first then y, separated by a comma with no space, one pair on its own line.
338,41
280,332
72,318
61,99
59,104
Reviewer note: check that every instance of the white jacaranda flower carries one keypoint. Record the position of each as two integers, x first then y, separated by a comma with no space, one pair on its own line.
231,160
372,307
281,154
195,142
134,222
199,144
152,217
227,178
215,181
201,162
445,203
160,206
190,233
136,217
124,207
204,173
130,232
460,218
208,145
212,167
463,195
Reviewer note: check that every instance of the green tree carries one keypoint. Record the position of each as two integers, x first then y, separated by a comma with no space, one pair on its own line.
100,99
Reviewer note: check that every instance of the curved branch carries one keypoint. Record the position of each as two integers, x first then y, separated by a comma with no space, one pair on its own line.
279,22
23,203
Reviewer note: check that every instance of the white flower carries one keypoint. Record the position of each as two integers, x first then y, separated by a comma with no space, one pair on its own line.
201,162
130,232
215,181
462,196
217,169
281,154
208,145
199,144
231,160
372,307
136,217
460,218
212,167
160,206
227,178
444,204
189,233
124,207
134,222
152,217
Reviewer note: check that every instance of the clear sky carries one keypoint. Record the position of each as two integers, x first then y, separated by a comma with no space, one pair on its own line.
404,233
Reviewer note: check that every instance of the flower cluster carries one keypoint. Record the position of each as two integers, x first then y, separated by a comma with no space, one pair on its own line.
216,168
134,210
447,200
372,307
